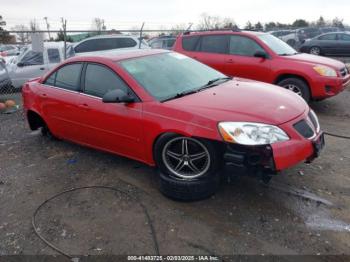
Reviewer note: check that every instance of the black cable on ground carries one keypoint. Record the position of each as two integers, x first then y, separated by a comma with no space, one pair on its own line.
75,259
335,135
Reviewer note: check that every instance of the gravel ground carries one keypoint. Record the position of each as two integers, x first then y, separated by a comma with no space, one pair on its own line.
305,210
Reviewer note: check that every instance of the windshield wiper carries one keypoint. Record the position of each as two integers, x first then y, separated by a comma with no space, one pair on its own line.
181,94
289,54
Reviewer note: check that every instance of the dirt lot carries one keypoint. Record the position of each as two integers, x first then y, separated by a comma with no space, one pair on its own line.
305,210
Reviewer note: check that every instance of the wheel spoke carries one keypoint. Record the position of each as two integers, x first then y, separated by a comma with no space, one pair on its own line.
184,147
173,155
195,157
193,166
180,165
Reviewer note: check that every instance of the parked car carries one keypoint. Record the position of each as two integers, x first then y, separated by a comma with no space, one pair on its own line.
170,111
307,33
334,44
5,81
288,36
108,43
8,50
263,57
162,42
329,29
31,64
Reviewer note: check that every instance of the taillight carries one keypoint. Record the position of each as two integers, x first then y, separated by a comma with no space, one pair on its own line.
3,53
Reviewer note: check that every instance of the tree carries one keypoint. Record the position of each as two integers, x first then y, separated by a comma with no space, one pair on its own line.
22,37
4,35
208,22
300,23
337,22
33,25
321,22
270,26
258,27
98,25
60,37
249,26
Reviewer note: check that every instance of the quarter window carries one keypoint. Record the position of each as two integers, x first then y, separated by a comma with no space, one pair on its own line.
215,44
244,46
53,55
68,77
99,80
189,43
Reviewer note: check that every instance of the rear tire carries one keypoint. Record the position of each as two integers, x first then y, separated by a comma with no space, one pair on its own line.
297,86
181,184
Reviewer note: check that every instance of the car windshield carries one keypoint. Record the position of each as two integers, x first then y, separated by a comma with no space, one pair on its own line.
277,45
170,75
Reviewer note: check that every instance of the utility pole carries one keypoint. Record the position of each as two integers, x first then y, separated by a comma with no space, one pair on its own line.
64,26
48,27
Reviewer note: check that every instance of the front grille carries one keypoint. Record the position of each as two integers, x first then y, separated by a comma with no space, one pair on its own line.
304,129
344,72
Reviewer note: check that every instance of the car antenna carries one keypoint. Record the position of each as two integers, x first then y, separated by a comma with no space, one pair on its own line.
187,31
140,40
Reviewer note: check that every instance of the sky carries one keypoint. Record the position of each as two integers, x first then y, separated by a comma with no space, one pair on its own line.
163,14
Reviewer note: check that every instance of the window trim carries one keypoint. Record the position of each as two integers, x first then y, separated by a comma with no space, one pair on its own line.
83,79
61,88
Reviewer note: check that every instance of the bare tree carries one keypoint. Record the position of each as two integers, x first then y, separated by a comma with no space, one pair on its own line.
98,24
22,37
208,22
33,25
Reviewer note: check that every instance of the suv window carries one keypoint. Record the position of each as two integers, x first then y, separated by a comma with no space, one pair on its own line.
99,80
244,46
214,44
53,55
95,45
328,37
67,77
125,42
189,43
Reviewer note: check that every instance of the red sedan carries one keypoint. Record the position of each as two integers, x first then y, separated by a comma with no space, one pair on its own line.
170,111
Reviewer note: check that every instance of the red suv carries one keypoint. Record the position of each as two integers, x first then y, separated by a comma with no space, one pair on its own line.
263,57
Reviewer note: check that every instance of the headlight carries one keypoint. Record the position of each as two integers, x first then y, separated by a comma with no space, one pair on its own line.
325,70
245,133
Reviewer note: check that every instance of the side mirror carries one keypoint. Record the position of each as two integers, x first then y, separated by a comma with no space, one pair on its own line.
261,54
117,96
20,64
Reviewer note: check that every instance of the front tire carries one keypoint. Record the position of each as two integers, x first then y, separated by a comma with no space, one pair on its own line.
315,50
297,86
188,167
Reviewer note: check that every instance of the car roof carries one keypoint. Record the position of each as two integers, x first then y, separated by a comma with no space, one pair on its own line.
118,56
110,36
231,32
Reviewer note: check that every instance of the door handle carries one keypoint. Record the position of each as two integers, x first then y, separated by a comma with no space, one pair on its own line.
230,61
43,95
194,57
84,106
42,68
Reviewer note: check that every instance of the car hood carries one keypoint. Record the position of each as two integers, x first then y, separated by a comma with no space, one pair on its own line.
316,60
243,100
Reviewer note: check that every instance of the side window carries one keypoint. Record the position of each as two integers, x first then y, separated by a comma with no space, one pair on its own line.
189,43
104,44
244,46
125,42
345,37
328,37
99,80
215,44
170,43
53,55
157,44
32,58
87,46
50,81
68,77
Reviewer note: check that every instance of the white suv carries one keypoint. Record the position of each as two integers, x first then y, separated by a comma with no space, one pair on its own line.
108,43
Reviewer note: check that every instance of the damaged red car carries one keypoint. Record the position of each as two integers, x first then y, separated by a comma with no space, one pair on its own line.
167,110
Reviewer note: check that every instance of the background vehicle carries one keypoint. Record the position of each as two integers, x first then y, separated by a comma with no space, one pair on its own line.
9,50
288,36
336,44
263,57
158,107
307,33
162,42
5,81
32,64
108,43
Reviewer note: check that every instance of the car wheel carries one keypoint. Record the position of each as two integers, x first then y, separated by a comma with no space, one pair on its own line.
297,86
45,131
315,50
188,167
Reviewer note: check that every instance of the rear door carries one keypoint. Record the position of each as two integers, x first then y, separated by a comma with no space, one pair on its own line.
329,44
115,127
241,61
211,50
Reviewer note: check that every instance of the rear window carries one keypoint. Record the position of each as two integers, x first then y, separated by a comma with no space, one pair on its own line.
125,42
189,43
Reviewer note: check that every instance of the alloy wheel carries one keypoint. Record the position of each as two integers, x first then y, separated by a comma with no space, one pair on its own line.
315,51
294,89
186,158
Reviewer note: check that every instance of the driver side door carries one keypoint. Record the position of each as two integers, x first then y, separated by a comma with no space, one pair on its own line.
113,127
